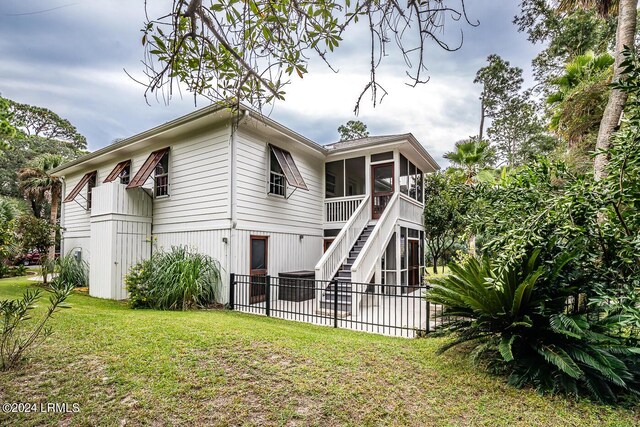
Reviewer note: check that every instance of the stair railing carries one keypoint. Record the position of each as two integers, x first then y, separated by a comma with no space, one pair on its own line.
339,250
365,263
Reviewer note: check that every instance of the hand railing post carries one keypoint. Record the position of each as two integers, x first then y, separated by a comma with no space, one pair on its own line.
334,282
268,295
232,293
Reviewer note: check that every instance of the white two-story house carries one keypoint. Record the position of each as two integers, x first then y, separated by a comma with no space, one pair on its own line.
253,194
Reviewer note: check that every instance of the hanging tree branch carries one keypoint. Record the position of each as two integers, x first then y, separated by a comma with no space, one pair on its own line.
248,50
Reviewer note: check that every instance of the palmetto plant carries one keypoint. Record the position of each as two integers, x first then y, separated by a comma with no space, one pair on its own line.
515,318
471,155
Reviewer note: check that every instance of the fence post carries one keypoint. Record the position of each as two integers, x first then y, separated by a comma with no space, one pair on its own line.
428,316
232,294
268,294
334,282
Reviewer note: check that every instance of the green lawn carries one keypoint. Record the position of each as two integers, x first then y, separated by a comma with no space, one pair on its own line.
137,367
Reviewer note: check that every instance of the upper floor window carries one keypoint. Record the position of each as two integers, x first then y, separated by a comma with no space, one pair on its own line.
161,176
283,171
88,179
125,175
90,184
158,164
122,172
277,182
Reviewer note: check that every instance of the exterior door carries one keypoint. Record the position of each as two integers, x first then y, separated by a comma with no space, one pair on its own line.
414,264
382,188
259,255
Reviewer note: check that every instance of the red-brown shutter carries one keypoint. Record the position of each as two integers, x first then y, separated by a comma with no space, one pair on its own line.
147,168
289,168
79,186
117,171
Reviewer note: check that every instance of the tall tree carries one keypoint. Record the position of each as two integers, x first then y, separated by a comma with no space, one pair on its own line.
37,131
625,37
565,35
353,129
37,183
234,51
43,123
500,82
7,130
518,133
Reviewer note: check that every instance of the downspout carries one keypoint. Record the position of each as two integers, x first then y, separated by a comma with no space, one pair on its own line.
62,205
234,188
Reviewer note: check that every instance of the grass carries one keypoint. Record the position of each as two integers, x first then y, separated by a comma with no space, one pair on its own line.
141,367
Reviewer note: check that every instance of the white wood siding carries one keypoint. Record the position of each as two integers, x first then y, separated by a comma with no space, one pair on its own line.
120,237
300,213
199,183
76,226
286,251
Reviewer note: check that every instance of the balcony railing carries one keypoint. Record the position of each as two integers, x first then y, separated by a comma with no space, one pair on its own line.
410,209
340,209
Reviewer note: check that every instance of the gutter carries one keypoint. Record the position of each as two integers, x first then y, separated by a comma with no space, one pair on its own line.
212,109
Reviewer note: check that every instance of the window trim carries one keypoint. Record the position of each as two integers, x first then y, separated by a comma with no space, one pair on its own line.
91,184
166,174
270,173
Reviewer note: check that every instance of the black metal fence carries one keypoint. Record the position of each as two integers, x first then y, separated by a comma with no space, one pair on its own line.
384,309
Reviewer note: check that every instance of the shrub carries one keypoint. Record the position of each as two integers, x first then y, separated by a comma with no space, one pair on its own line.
516,318
71,271
175,280
16,336
138,284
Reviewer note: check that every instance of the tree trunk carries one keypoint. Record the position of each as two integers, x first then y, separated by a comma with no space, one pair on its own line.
55,202
625,36
435,265
472,245
481,120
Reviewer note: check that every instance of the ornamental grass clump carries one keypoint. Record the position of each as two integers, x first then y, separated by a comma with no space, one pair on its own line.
175,280
71,271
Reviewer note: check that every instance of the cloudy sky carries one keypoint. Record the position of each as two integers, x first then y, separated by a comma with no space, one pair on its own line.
69,56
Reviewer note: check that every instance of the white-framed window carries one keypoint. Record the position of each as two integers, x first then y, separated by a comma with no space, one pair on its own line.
125,174
161,177
277,180
90,184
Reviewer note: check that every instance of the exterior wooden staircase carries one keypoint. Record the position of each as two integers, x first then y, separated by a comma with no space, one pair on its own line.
343,280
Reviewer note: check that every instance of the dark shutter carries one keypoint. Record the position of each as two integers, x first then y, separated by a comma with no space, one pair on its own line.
79,186
147,168
117,171
289,168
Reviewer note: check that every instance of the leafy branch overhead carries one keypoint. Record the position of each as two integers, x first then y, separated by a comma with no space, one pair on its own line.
233,51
